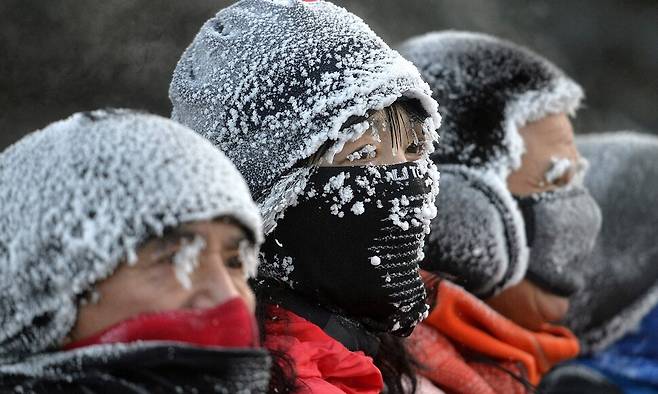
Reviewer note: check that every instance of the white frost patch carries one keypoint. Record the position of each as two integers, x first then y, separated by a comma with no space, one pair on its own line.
186,260
249,257
346,194
395,218
367,152
558,169
336,182
358,208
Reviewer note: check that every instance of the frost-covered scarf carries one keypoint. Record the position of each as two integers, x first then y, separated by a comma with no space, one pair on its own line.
354,240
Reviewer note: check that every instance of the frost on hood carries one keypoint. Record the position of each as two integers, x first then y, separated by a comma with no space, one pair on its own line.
621,275
488,89
80,196
269,82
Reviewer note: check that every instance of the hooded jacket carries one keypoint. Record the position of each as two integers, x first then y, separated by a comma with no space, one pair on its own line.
270,82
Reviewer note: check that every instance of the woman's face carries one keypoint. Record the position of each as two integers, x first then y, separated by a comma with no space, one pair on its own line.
151,284
546,140
379,145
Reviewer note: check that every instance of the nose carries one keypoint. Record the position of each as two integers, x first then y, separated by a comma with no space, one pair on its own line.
211,283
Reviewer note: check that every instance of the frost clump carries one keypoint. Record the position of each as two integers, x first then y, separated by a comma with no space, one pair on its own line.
186,260
367,152
336,182
558,169
358,208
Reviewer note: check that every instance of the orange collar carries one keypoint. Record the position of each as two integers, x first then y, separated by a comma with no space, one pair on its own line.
466,320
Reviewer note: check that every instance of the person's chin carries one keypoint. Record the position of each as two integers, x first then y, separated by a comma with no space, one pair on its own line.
551,307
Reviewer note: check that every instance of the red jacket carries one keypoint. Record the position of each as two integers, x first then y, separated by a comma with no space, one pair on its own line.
322,364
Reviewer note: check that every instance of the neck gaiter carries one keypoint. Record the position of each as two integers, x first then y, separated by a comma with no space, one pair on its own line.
353,242
561,229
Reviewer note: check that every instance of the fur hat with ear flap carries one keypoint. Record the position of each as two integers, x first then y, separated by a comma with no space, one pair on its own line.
80,196
270,81
489,89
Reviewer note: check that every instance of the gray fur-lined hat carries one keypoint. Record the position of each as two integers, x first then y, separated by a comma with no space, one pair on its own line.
270,81
489,88
621,275
80,196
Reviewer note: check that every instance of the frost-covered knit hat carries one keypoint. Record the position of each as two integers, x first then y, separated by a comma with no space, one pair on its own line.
489,89
269,81
80,196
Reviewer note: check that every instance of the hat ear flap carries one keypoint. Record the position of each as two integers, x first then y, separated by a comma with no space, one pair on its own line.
477,240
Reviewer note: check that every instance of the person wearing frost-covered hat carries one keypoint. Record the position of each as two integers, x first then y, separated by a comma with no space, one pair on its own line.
515,222
126,241
615,314
331,129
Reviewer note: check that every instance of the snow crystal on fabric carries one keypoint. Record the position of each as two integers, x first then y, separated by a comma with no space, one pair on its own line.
81,195
269,82
621,275
488,88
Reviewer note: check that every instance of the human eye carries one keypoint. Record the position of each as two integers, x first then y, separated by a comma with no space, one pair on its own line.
234,262
416,148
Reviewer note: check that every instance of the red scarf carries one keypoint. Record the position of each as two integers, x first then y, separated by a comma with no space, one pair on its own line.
230,324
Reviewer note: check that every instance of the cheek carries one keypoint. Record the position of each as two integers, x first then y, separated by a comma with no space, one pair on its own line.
244,291
130,295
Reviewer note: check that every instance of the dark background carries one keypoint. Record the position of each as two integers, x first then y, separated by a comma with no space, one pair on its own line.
59,57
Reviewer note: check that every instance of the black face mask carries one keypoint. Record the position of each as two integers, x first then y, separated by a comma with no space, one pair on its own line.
561,228
353,242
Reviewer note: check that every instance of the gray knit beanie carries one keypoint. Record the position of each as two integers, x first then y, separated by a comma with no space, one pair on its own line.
270,81
80,196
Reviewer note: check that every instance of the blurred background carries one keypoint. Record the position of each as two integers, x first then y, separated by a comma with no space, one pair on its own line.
60,57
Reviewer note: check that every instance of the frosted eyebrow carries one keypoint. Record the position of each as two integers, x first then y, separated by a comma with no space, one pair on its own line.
174,235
